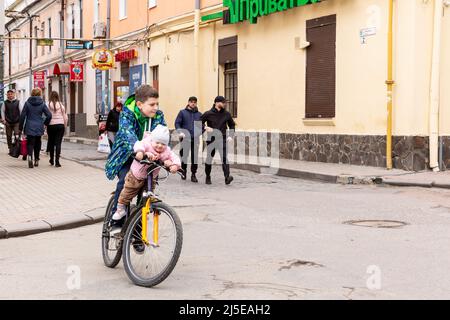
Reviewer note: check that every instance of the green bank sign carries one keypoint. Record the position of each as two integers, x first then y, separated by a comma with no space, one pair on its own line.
241,10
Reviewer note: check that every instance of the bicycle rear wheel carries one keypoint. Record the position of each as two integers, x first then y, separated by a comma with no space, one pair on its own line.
111,245
149,265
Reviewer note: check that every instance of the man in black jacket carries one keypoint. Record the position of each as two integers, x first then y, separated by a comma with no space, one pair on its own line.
217,120
189,128
10,112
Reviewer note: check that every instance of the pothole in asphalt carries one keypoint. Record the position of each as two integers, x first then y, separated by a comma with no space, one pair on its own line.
387,224
299,263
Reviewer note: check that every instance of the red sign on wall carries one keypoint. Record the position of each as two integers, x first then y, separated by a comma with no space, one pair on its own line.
77,71
126,55
39,79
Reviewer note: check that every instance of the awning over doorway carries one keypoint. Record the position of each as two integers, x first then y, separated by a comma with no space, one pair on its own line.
59,69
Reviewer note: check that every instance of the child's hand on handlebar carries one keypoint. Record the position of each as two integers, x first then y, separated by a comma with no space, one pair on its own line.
173,169
168,163
139,156
152,157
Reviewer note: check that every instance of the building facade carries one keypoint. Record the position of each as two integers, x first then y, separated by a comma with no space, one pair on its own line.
315,71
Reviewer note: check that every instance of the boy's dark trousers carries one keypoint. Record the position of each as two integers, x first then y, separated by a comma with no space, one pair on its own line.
189,146
211,152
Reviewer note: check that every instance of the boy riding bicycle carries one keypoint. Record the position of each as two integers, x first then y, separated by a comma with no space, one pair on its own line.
140,114
155,147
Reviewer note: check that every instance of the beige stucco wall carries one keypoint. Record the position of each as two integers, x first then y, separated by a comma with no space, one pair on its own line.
272,71
445,76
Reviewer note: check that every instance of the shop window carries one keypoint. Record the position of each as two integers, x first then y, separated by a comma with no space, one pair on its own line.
125,71
321,68
228,52
155,72
123,9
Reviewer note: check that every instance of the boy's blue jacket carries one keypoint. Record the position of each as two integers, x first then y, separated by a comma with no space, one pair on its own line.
129,133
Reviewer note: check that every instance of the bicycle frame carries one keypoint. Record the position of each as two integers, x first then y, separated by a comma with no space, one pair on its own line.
149,198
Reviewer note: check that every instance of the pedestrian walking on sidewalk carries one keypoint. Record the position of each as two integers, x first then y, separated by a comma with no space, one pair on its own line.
217,121
56,128
189,127
112,123
139,115
34,116
10,115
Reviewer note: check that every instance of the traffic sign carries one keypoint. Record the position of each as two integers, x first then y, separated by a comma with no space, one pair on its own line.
79,45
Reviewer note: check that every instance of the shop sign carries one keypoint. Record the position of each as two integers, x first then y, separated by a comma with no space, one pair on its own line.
79,45
44,42
77,71
241,10
126,55
135,78
39,79
103,60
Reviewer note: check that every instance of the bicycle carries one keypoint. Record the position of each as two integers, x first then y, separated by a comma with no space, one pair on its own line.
132,242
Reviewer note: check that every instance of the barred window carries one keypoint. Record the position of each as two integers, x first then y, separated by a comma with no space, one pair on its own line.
231,87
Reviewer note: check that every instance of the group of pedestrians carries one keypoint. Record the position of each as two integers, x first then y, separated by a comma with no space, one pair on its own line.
191,124
31,120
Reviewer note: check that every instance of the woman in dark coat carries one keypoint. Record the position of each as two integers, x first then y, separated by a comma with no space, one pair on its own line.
112,123
34,116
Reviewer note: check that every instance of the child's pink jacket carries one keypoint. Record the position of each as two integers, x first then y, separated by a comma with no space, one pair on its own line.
139,170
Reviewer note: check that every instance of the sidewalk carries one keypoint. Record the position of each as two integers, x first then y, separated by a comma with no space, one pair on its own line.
47,198
324,172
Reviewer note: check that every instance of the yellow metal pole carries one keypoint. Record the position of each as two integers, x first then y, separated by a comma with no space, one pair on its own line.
390,85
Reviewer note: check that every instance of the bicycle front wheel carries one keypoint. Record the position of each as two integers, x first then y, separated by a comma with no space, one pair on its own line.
149,265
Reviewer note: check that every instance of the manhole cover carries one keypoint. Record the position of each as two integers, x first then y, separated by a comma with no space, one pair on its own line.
377,223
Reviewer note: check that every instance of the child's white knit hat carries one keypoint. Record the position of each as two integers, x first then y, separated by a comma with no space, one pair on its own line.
161,134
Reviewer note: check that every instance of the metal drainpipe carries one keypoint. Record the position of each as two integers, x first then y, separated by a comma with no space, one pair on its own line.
63,58
196,47
30,83
390,85
434,86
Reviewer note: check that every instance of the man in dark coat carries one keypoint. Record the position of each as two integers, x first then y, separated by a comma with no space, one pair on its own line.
217,120
10,114
189,126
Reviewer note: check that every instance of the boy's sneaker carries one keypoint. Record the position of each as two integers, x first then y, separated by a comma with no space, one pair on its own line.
228,180
194,178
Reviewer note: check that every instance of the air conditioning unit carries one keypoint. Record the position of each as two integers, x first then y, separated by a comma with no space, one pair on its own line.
100,30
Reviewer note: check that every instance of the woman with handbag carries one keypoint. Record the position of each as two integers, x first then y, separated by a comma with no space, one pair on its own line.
34,116
56,128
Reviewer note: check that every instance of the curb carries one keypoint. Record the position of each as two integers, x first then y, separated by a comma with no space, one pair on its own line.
417,184
65,222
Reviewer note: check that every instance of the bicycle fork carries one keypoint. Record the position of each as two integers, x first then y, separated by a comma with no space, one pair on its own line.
145,214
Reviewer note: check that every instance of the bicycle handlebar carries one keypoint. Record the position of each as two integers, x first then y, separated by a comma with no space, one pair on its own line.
157,163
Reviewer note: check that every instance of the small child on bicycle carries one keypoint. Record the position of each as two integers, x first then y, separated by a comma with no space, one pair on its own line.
155,146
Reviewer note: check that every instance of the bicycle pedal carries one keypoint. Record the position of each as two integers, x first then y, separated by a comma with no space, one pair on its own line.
115,233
